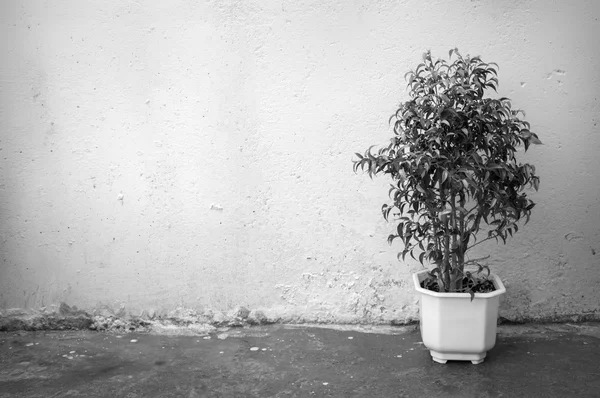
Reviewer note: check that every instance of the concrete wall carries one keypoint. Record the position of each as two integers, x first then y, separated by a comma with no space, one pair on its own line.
165,154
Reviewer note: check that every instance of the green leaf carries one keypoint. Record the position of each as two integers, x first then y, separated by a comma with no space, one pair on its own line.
534,140
444,176
400,230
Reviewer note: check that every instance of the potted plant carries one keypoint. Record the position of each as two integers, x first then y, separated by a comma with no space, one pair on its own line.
454,178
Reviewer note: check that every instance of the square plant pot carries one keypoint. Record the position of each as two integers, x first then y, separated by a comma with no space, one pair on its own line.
455,328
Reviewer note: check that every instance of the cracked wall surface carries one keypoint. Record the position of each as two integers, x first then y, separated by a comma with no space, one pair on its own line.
197,155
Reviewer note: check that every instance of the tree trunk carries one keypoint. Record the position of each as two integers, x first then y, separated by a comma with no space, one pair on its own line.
455,276
460,251
446,256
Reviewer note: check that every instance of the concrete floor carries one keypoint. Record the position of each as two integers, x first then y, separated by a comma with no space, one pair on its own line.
287,361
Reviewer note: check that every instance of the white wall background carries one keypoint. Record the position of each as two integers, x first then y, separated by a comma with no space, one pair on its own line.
158,154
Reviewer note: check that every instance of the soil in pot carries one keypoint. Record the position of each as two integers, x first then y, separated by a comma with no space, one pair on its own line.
480,285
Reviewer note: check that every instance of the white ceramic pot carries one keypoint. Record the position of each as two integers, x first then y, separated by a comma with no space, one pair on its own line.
455,328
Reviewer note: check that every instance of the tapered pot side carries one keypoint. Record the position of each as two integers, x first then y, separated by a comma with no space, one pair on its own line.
454,327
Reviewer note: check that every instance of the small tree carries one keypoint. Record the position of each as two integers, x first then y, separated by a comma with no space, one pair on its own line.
453,166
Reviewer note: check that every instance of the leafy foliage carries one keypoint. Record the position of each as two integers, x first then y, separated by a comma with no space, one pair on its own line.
453,166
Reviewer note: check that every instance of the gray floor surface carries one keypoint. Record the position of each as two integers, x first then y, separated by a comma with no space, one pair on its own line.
297,361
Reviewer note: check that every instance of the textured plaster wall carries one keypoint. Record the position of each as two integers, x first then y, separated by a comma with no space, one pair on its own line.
168,154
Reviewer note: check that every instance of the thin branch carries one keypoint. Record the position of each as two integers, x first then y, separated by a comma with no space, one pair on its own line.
475,260
481,241
469,212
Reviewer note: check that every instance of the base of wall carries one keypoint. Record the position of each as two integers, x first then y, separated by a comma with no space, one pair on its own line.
106,319
192,322
118,318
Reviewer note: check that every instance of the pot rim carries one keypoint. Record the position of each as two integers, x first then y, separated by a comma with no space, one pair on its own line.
420,275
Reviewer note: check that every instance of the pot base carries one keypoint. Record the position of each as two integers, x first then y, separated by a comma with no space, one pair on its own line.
441,357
